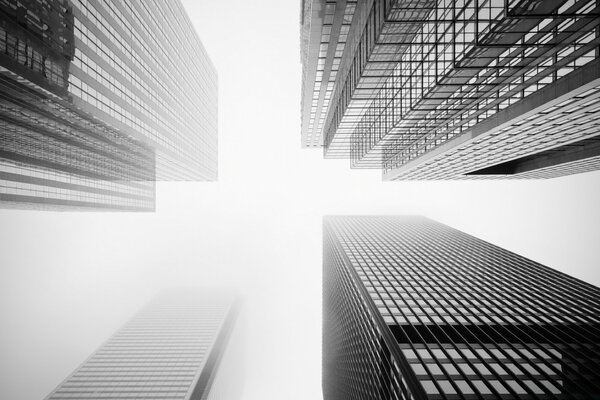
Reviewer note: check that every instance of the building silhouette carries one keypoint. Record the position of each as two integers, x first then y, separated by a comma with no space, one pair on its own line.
430,89
98,100
176,347
413,309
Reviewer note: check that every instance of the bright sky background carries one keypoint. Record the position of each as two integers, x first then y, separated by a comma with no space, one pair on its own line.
69,280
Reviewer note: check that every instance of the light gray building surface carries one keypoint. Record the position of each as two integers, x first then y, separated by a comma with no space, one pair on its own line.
98,100
174,348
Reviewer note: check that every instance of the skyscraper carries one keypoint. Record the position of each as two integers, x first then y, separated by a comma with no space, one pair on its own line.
172,349
442,89
413,309
99,99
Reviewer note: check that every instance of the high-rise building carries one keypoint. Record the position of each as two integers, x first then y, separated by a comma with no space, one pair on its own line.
439,89
413,309
99,99
176,347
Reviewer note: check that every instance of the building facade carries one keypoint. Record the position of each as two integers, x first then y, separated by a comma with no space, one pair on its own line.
436,89
172,349
324,31
100,99
413,309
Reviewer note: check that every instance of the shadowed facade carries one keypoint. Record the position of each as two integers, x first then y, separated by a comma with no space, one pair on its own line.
413,309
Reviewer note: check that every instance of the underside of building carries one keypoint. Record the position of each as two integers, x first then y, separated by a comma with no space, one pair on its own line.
471,89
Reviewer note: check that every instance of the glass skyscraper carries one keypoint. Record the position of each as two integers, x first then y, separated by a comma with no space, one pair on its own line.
99,99
175,348
439,89
413,309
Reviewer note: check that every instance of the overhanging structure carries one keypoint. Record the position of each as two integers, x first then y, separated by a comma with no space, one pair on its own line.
419,80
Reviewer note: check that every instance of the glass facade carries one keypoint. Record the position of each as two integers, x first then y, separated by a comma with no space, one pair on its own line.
421,82
172,349
415,309
140,67
99,99
325,26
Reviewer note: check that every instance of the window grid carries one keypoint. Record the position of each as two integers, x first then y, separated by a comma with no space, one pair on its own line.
472,320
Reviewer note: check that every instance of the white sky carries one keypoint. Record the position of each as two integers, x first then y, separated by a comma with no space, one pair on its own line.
69,280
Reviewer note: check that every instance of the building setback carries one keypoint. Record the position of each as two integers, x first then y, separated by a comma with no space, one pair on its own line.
174,348
99,99
413,309
439,89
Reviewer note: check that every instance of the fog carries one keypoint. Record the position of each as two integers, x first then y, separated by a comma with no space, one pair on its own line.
68,280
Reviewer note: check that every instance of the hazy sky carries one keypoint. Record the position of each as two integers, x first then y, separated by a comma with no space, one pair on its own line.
69,280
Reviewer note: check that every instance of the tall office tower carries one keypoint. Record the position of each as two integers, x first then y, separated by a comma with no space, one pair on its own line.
99,99
413,309
427,89
172,349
